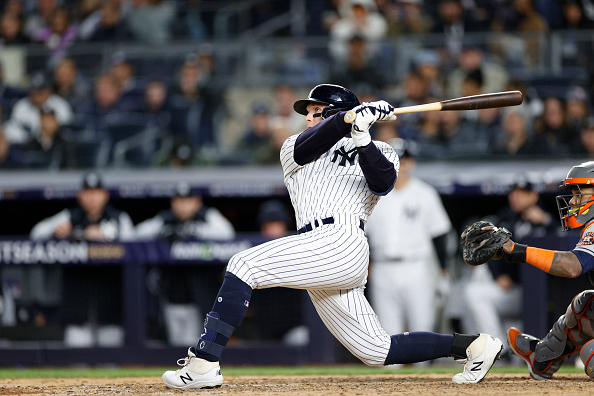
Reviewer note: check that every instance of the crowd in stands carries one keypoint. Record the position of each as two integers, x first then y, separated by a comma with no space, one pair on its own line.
65,117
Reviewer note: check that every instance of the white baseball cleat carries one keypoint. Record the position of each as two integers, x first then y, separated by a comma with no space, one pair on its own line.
195,373
481,355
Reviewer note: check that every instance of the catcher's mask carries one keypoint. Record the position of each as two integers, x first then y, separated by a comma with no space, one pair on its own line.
336,97
580,212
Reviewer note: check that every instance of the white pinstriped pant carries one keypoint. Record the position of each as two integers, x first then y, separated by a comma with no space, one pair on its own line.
330,262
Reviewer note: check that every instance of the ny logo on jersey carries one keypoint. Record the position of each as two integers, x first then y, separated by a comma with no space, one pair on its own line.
345,155
411,213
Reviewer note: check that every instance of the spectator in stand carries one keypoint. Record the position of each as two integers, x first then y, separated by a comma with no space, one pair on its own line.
40,18
416,91
577,112
186,290
10,156
24,123
256,138
199,103
516,140
454,137
156,106
551,128
285,117
586,147
14,7
11,30
360,69
473,57
269,154
532,105
106,101
427,64
361,19
132,89
453,22
69,84
9,95
405,17
58,35
92,302
103,22
521,16
150,20
48,150
576,52
489,122
181,155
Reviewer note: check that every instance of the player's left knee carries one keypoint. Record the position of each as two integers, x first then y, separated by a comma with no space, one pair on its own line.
371,362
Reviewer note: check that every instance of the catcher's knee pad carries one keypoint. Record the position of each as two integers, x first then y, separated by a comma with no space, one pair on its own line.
581,306
580,316
553,344
586,354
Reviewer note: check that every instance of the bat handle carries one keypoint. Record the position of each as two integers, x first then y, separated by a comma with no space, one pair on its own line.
350,116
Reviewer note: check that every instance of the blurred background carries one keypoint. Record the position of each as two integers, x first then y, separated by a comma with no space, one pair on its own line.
139,145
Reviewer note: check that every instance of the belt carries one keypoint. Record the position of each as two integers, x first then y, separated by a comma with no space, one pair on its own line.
327,220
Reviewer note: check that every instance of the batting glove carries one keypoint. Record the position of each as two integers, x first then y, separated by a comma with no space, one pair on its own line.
367,114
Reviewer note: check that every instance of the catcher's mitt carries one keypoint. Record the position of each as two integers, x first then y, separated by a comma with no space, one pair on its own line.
480,246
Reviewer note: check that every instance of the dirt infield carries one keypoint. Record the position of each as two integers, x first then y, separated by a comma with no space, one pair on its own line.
402,385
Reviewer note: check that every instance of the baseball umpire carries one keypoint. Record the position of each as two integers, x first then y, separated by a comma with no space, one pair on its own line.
573,331
335,174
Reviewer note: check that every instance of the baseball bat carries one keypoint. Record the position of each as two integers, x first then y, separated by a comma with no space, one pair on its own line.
474,102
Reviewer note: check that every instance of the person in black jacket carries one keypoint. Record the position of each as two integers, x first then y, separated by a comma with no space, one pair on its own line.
186,291
91,308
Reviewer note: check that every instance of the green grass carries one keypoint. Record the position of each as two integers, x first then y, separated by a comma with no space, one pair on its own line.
257,371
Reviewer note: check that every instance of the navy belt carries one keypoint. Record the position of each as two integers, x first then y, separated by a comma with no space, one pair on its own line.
327,220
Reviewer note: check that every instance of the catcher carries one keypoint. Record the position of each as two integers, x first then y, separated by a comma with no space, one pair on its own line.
573,331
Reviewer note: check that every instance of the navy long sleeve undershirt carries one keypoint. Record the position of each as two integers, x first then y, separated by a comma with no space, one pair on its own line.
318,139
313,142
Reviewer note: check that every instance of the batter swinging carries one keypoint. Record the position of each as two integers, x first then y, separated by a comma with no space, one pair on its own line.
335,175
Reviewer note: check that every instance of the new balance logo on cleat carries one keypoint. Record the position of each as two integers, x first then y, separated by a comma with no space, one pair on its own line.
477,366
482,354
187,377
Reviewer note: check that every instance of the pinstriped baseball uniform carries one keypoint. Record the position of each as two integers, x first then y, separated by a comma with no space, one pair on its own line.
331,260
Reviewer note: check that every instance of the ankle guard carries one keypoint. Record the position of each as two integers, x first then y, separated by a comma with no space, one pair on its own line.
460,344
212,327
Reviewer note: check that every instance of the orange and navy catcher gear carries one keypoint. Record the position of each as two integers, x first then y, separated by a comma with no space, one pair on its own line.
578,214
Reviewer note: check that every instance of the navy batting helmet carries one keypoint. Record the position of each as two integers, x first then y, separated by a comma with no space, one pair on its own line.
336,97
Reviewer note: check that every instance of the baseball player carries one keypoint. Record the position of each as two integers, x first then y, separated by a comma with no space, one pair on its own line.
335,174
573,330
408,228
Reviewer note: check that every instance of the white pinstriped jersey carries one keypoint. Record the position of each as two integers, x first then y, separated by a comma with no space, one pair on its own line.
331,184
330,261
